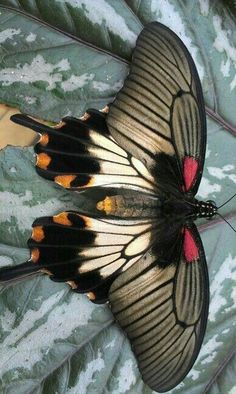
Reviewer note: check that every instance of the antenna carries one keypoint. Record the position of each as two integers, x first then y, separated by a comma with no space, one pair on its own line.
226,202
222,217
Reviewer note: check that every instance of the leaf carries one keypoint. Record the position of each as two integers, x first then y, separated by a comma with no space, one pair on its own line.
55,341
12,134
53,75
114,30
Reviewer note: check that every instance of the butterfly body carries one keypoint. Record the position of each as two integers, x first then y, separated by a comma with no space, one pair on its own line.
139,249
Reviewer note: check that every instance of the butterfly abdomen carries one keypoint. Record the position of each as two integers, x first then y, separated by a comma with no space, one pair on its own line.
129,205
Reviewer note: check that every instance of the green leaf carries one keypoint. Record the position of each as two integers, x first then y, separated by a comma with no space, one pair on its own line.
53,341
50,74
111,25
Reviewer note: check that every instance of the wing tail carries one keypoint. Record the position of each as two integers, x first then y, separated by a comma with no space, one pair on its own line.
18,272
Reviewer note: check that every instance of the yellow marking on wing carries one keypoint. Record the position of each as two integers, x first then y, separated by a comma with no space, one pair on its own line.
64,180
37,233
44,139
72,284
35,255
43,160
91,296
62,218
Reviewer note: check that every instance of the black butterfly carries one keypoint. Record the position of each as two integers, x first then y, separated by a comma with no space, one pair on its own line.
140,250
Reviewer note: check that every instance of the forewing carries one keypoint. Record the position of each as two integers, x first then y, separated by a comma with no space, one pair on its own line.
159,114
162,306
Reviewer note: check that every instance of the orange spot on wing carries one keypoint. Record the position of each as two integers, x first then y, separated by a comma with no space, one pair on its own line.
64,180
35,255
62,218
37,233
43,160
44,139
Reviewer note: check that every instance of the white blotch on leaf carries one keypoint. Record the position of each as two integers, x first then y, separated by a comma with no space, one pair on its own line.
21,210
8,34
166,13
5,260
126,377
194,374
208,152
220,285
59,322
225,68
204,7
87,377
223,45
7,320
225,331
31,37
206,188
103,86
104,15
111,344
37,70
76,82
222,173
209,350
28,99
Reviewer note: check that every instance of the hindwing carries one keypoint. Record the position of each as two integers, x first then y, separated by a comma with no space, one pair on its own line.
162,304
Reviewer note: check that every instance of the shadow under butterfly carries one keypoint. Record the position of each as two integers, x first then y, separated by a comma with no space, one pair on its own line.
140,250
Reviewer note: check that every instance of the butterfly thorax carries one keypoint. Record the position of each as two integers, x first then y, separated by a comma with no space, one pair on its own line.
205,209
189,208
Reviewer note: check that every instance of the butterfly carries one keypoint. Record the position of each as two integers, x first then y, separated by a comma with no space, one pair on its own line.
140,249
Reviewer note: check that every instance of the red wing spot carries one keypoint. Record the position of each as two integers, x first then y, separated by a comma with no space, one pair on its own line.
190,171
190,248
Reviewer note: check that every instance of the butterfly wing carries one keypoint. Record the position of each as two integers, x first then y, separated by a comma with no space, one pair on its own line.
156,133
159,113
80,153
162,305
87,253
